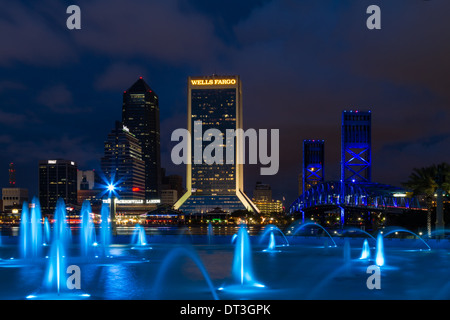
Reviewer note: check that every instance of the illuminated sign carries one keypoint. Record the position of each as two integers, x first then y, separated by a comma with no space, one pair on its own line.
132,201
51,161
212,82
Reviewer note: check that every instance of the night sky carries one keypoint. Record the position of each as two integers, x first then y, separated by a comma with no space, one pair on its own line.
301,63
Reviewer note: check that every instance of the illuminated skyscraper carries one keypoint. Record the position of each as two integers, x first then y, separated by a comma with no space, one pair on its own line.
217,102
57,179
122,163
140,114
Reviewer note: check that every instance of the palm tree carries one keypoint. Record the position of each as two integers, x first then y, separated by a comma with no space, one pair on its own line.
429,181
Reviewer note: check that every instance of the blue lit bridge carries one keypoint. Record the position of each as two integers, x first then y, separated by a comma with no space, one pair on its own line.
355,201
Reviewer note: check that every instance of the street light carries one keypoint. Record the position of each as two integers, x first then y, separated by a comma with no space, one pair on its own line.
112,207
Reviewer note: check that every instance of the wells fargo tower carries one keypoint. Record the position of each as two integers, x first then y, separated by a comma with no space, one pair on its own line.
216,101
140,114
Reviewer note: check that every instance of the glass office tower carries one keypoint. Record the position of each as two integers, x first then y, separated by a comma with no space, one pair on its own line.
57,179
216,101
122,163
140,114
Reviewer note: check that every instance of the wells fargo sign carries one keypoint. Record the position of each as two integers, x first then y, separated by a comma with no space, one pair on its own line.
212,82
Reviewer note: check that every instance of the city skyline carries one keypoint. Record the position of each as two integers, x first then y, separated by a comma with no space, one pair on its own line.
60,95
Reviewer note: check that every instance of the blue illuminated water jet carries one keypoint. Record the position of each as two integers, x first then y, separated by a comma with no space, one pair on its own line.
168,261
270,229
87,231
365,252
24,231
351,229
139,238
379,258
314,224
36,228
272,244
210,233
47,231
105,228
31,230
400,229
242,275
54,284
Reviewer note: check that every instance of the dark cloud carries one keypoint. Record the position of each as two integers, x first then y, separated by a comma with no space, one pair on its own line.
28,37
11,119
119,77
151,29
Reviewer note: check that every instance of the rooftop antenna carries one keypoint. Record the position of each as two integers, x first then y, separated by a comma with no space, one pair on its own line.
12,175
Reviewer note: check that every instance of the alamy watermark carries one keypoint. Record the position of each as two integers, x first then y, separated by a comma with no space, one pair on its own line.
374,280
221,148
74,280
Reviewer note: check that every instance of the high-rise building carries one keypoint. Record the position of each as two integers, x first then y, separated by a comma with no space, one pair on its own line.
140,114
122,163
313,163
57,179
13,198
172,182
85,179
262,192
215,101
356,149
85,187
262,198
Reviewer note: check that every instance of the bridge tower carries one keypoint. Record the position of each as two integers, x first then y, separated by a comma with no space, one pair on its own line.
313,163
12,175
356,151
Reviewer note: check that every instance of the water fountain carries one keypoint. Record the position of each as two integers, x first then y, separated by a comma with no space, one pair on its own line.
139,238
47,232
365,253
379,258
169,260
395,229
31,230
24,231
270,229
272,244
54,285
242,276
105,229
87,231
36,228
209,267
210,233
311,224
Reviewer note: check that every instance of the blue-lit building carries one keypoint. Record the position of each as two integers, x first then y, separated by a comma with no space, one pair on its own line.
356,146
216,101
313,170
